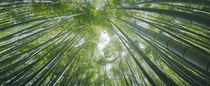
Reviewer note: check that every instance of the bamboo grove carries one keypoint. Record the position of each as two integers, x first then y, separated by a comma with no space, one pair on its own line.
105,42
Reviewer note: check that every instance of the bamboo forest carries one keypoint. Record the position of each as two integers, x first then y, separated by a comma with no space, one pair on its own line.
104,42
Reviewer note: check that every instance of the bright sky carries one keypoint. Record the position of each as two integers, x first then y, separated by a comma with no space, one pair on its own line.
80,43
104,40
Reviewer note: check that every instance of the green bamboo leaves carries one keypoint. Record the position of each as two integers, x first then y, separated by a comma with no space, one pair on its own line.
143,43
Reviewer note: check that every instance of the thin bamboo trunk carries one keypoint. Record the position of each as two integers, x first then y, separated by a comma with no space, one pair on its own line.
159,73
182,16
196,2
188,53
138,64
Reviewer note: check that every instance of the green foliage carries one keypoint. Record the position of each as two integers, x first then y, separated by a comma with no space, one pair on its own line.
70,42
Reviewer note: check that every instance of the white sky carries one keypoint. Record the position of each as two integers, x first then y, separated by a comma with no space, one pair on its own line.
80,43
108,66
104,40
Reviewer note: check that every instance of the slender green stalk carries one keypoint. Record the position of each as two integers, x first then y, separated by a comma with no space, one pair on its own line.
188,53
